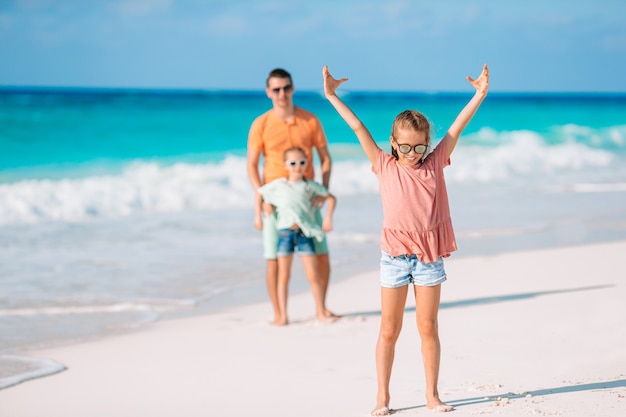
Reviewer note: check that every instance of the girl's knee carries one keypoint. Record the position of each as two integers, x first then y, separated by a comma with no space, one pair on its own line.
389,334
428,328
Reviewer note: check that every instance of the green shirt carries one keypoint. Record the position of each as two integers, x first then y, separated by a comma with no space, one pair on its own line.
293,204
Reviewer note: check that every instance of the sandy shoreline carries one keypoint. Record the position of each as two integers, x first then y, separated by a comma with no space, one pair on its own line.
526,333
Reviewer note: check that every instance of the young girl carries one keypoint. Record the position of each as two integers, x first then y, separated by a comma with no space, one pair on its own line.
297,227
417,229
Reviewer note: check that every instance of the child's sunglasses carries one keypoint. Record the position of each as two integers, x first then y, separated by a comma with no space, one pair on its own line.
302,162
419,149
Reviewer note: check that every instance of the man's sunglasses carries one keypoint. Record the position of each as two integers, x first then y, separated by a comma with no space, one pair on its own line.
286,89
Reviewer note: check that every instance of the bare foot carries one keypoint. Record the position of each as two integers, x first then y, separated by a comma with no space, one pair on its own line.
382,406
280,321
441,408
328,319
382,411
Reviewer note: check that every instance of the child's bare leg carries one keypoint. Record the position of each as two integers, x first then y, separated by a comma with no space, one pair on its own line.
311,270
284,274
427,309
393,301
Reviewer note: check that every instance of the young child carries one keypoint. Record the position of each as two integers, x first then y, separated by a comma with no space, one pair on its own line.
297,228
417,230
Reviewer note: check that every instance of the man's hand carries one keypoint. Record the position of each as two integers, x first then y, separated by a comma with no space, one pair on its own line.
268,208
318,201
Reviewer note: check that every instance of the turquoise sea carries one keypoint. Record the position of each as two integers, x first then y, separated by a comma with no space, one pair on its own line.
121,207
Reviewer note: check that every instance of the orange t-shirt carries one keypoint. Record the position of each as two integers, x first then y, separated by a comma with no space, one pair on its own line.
272,136
416,213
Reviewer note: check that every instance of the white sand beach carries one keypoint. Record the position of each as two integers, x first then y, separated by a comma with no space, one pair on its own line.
525,333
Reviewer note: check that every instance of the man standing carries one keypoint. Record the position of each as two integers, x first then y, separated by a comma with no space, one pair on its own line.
280,128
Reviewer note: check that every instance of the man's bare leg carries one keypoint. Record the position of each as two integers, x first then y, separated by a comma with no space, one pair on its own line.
323,270
312,273
271,279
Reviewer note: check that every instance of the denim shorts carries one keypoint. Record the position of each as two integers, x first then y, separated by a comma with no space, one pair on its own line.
398,271
270,236
289,240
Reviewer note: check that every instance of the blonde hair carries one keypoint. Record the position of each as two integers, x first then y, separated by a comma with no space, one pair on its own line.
294,149
413,120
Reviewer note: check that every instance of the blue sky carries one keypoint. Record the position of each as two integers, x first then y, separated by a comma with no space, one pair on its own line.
395,45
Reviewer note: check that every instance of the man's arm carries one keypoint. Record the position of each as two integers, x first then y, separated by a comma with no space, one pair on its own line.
327,224
258,210
253,169
326,165
255,179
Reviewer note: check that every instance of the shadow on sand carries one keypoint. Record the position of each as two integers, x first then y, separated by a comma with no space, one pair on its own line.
620,383
488,300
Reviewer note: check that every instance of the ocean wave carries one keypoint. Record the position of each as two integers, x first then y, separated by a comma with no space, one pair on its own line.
22,368
609,138
140,188
592,188
487,157
150,307
523,154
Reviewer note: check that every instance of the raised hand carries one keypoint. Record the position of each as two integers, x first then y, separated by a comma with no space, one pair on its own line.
365,138
481,84
330,84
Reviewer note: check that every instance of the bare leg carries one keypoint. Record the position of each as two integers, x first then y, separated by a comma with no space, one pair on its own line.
323,268
427,309
393,301
284,274
310,263
271,280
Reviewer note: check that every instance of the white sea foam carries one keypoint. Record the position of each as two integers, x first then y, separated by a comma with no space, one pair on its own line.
594,188
523,154
146,187
140,188
25,368
153,308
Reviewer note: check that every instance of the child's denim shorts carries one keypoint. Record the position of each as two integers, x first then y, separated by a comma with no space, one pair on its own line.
290,239
270,236
398,271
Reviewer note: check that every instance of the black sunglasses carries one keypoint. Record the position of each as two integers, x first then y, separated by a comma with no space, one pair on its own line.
294,163
286,89
419,149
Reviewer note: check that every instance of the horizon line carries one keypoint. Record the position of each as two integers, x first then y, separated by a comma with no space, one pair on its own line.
196,90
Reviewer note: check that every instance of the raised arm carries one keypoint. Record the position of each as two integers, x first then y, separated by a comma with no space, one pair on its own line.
481,84
365,138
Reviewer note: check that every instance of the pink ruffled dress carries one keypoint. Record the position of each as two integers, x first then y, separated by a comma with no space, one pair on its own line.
415,206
